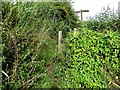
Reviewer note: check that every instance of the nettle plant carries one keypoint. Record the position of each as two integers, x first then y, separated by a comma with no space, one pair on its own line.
92,59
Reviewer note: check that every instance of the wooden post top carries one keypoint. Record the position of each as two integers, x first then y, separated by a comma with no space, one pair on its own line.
81,11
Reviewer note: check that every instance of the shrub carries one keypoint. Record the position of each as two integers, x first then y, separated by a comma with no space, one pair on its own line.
29,41
104,21
92,59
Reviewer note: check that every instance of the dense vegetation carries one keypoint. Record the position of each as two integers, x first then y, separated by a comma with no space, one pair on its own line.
107,20
93,59
30,41
30,58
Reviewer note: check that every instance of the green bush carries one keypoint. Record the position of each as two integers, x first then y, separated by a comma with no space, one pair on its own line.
30,56
106,20
92,59
29,41
51,17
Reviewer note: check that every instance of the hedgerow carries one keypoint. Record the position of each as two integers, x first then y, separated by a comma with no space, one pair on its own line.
29,41
29,52
92,59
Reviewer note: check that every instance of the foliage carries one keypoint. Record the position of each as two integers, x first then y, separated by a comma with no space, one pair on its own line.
29,41
104,21
53,16
92,59
29,48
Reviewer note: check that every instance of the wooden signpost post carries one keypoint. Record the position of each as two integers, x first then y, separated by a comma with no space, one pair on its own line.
81,11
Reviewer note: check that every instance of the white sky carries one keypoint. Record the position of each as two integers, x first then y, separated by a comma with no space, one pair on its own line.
94,6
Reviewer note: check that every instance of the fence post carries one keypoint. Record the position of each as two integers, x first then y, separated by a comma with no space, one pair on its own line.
60,41
75,32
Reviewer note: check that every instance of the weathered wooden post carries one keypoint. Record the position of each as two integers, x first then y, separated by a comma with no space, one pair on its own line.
81,15
75,32
60,41
81,11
